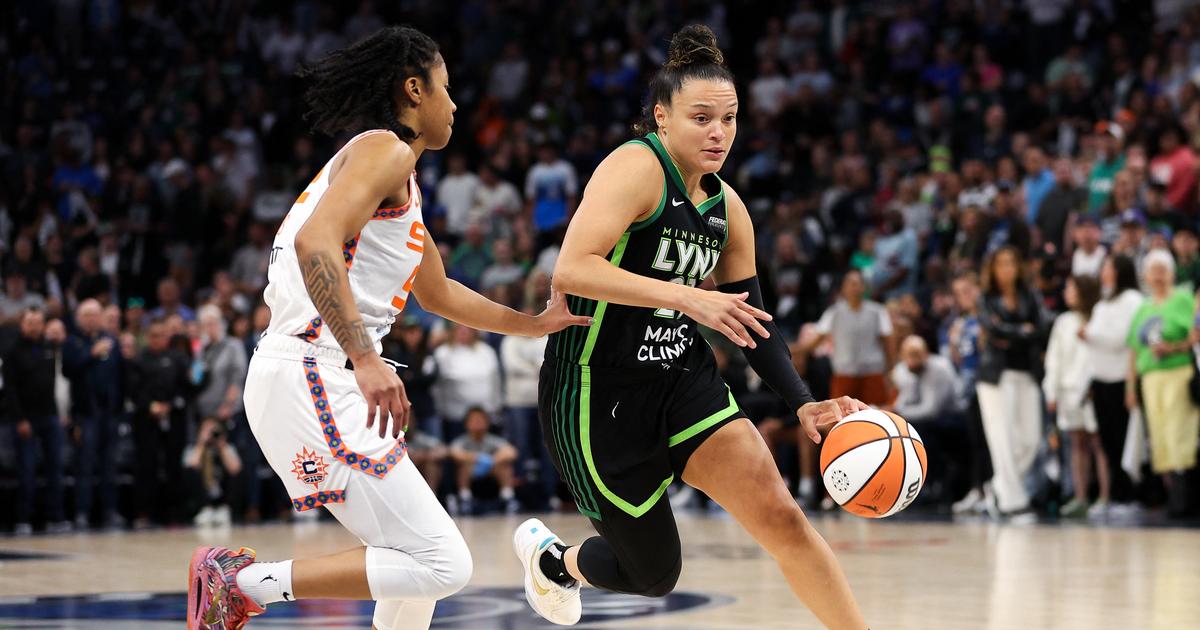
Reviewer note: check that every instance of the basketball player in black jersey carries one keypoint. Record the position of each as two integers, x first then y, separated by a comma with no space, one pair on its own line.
635,401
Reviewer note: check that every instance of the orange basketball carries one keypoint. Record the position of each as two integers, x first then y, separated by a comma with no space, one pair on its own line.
873,463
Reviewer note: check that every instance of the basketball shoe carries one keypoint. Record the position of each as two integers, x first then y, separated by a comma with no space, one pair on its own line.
556,603
214,600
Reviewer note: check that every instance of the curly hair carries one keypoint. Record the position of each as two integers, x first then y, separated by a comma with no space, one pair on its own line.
693,54
356,88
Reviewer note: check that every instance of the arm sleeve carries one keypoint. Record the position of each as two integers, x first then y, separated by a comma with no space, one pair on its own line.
772,359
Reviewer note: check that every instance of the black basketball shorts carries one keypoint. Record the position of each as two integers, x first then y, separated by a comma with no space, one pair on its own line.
620,436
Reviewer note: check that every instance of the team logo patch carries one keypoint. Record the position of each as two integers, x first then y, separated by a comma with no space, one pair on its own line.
310,468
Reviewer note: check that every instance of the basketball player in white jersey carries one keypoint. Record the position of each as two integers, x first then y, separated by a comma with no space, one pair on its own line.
326,409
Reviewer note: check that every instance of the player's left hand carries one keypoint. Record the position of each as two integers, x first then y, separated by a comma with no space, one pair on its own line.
816,418
557,316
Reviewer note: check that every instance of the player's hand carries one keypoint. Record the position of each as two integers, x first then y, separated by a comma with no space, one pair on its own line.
1052,406
1131,399
728,314
24,429
385,395
557,315
816,418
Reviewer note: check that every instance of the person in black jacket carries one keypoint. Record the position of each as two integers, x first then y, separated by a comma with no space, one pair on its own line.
160,389
92,361
1014,331
29,373
408,345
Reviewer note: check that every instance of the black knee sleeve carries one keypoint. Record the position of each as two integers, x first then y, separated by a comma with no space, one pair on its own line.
664,586
652,574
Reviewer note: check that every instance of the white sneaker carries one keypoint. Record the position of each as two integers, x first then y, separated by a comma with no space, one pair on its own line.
222,516
204,518
1124,510
1099,510
969,503
989,505
556,603
1021,517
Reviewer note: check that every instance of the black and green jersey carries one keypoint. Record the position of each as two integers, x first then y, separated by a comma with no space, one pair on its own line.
681,242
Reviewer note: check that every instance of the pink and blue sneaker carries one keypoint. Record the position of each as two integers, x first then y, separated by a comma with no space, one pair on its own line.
214,600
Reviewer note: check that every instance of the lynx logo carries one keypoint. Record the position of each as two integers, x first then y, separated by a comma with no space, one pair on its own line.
717,223
688,256
471,609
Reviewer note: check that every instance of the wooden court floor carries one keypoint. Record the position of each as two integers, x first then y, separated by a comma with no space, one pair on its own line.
906,574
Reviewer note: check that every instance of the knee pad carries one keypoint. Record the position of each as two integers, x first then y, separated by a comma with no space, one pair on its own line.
454,572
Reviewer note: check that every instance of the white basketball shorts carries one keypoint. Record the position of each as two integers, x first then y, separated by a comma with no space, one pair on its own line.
310,419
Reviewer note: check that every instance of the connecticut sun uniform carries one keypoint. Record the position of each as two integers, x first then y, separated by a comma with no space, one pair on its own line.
302,401
617,439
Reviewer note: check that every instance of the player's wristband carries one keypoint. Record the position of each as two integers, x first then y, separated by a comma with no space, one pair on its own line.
772,359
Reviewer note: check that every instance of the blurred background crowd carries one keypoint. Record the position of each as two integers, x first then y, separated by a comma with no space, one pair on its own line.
979,213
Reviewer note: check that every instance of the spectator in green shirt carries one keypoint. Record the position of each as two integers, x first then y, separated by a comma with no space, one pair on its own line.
1162,359
1110,162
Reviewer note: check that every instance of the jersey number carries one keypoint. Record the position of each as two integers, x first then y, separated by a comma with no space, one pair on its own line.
398,301
670,313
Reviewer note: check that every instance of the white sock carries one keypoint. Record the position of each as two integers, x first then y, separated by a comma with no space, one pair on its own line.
465,494
507,494
267,582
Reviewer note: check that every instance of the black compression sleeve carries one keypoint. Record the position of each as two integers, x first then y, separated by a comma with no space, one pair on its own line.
772,359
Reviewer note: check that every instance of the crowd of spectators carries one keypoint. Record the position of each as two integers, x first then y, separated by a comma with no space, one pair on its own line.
931,183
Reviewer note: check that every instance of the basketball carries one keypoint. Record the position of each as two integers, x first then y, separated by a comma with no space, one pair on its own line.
873,463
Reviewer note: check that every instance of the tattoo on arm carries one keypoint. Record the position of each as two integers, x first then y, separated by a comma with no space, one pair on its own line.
328,286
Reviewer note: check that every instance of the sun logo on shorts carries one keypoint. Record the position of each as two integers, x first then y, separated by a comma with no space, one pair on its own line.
310,468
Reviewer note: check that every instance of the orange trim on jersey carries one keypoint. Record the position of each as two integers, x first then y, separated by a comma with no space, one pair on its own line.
333,438
349,249
317,499
383,214
393,212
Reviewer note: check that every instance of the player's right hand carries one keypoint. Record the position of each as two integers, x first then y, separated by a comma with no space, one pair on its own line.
385,395
728,314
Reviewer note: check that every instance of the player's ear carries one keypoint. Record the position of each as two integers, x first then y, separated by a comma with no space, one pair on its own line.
660,115
411,90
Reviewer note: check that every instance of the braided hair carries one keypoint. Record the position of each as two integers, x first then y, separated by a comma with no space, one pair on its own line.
356,88
693,54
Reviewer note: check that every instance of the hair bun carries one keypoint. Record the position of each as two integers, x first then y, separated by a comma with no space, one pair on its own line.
694,44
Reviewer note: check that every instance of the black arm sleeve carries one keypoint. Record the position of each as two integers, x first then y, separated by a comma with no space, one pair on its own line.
772,359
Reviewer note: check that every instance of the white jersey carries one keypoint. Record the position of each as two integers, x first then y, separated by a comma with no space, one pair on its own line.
382,261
